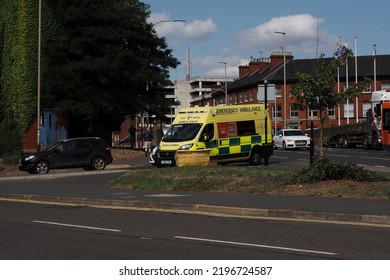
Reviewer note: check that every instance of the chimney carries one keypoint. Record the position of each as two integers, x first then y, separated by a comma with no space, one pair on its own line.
277,57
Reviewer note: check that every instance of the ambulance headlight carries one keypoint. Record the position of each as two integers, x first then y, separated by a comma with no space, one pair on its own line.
186,147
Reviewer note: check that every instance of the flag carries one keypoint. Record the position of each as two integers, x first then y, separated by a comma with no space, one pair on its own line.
340,51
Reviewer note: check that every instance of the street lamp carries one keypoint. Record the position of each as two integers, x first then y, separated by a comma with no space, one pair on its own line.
39,75
168,20
284,77
374,56
226,93
154,25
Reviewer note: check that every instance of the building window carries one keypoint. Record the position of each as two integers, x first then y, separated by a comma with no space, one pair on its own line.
294,112
367,89
278,91
348,110
246,97
331,113
385,86
312,114
240,100
277,112
251,96
366,107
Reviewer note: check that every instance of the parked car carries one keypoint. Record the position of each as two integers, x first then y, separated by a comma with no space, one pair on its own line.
88,153
291,139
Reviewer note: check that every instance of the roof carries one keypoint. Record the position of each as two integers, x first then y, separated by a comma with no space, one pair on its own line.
365,67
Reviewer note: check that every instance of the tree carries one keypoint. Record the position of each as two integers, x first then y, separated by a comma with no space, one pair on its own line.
318,91
105,62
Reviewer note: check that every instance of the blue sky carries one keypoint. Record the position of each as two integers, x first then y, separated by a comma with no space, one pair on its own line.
235,30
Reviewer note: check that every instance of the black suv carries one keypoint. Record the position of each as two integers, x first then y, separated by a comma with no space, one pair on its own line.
88,153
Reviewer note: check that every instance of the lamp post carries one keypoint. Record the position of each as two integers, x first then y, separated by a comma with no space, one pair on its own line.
154,25
284,77
168,20
374,56
39,76
226,93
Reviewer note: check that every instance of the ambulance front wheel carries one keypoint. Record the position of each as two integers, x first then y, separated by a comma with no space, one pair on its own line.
255,158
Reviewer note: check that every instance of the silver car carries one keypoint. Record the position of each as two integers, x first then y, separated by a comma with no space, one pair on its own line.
291,139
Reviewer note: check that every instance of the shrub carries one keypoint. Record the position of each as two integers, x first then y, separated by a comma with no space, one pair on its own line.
327,169
10,139
11,160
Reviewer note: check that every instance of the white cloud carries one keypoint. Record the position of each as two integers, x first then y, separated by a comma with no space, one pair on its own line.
198,30
210,65
301,35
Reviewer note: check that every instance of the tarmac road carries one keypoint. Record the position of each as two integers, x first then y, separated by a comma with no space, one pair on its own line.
77,187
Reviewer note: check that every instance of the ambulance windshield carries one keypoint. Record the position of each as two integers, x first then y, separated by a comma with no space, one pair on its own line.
182,132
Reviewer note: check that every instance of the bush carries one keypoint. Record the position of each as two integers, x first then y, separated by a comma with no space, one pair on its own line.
10,139
11,160
327,169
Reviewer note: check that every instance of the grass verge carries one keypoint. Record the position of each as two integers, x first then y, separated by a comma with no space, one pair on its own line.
253,180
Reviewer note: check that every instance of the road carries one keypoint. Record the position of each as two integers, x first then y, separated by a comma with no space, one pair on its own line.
30,231
378,161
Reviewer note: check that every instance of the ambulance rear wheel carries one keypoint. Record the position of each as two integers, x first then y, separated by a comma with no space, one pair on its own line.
255,158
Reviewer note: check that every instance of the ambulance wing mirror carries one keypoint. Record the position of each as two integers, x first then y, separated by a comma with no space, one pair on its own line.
204,138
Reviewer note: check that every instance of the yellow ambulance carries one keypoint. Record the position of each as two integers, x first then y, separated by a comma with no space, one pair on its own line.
231,133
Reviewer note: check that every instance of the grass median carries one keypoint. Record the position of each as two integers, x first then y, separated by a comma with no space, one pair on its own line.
258,180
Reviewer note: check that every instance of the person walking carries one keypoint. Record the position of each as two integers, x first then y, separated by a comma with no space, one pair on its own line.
133,136
148,137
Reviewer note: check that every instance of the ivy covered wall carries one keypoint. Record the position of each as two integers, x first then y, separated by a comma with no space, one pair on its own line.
19,27
19,60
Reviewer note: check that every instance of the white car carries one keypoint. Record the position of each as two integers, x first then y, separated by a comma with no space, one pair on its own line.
291,139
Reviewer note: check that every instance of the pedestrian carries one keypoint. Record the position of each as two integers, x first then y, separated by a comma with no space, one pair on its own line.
148,137
133,136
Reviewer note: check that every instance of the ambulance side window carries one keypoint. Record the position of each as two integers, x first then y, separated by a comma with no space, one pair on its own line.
207,133
246,128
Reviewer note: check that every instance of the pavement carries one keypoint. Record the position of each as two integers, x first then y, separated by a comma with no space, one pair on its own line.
291,208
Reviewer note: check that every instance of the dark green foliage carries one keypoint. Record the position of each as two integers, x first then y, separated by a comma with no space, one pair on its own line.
18,25
106,62
10,139
101,60
327,169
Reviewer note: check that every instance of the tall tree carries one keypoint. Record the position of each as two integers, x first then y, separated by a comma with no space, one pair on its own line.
106,62
318,92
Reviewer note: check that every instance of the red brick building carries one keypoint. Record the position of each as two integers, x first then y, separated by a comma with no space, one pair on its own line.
244,90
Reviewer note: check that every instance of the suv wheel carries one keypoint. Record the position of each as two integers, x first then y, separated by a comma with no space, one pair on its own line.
42,167
98,163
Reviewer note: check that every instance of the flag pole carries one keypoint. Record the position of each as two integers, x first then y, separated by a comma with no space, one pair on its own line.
356,81
347,80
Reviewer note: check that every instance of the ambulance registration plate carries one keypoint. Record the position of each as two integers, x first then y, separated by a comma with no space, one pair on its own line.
166,162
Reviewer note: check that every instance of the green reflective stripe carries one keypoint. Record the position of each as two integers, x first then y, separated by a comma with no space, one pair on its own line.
234,145
211,144
256,139
234,141
224,151
246,148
